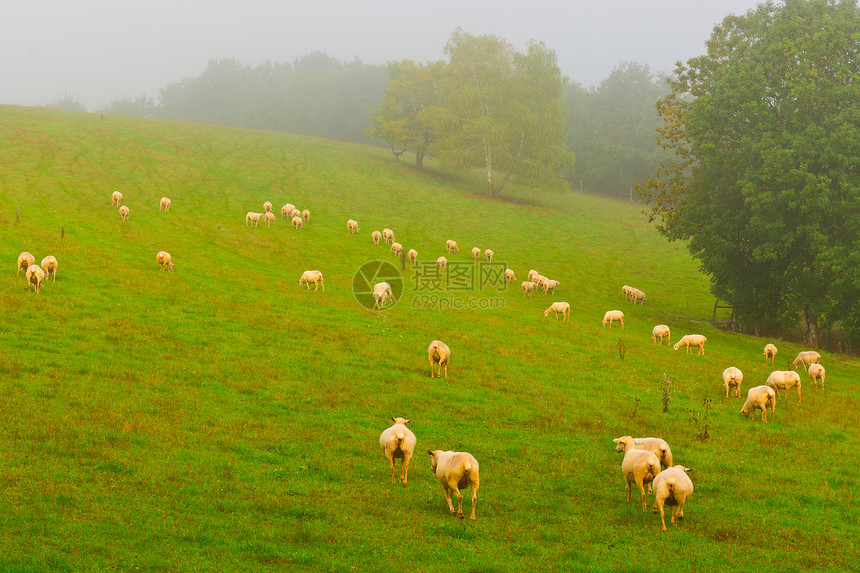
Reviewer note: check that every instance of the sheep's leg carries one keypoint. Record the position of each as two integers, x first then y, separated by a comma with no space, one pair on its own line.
662,514
391,463
447,491
642,491
474,499
404,469
453,485
727,390
628,490
446,370
432,374
799,401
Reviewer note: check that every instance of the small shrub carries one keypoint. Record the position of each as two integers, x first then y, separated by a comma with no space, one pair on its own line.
666,388
635,406
702,420
622,348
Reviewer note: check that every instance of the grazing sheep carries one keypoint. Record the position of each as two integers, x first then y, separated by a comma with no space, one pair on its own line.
439,352
672,487
639,467
769,353
528,288
376,235
509,276
732,377
656,446
806,358
559,307
269,218
784,380
441,263
398,441
533,275
352,226
539,280
287,211
413,256
451,246
295,213
455,471
549,285
476,253
252,217
489,254
760,397
816,372
267,207
116,198
315,277
625,290
306,215
164,204
49,265
35,275
123,213
25,259
297,222
661,331
387,236
396,249
692,340
611,316
637,296
381,294
164,259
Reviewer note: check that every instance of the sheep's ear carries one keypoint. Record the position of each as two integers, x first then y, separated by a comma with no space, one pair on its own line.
686,469
406,421
430,452
393,419
616,440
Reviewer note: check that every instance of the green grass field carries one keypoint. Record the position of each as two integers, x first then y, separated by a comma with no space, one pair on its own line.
221,418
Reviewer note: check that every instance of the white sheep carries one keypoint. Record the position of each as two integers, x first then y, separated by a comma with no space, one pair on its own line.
49,265
528,288
164,204
489,254
806,358
637,296
759,398
25,259
476,253
816,373
625,290
269,217
35,275
306,215
287,211
441,263
639,467
769,353
381,294
549,285
533,275
116,198
295,213
164,259
439,352
559,307
455,471
784,380
509,276
352,227
251,217
451,246
267,207
398,441
387,236
732,377
611,316
539,280
672,487
315,277
689,340
297,222
656,446
661,331
413,256
123,213
376,235
396,249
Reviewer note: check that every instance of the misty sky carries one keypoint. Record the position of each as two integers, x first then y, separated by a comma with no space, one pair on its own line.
101,50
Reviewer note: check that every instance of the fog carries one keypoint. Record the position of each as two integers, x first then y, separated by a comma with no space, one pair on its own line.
98,51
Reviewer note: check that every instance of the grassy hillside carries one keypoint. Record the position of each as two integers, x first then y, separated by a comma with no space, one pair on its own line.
222,418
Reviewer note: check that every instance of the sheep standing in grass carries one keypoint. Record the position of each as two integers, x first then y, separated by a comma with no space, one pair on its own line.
441,263
376,235
287,211
759,398
611,316
251,217
455,471
297,222
269,217
306,215
35,275
816,373
381,294
164,259
164,204
116,198
315,277
295,213
784,380
559,307
352,226
807,358
451,246
637,296
528,288
413,256
267,207
476,253
398,441
489,254
439,352
656,446
509,276
25,259
625,290
396,249
769,353
661,331
692,340
387,236
639,467
123,213
533,275
549,285
672,487
732,378
49,265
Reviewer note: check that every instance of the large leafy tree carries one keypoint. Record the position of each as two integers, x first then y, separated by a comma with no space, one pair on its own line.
764,184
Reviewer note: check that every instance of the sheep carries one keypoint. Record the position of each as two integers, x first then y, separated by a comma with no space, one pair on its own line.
398,441
559,307
639,467
672,487
35,275
441,263
164,204
252,217
509,276
297,222
387,236
381,294
352,227
49,265
539,280
306,215
661,331
287,211
315,277
396,249
533,275
25,259
806,358
295,213
413,256
611,316
116,198
476,253
489,254
528,288
456,470
625,290
376,235
451,246
439,352
733,377
689,340
123,213
267,207
269,218
656,446
637,296
760,397
784,380
816,373
769,353
549,285
164,259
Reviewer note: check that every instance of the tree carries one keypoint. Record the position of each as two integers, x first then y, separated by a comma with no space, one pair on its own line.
764,186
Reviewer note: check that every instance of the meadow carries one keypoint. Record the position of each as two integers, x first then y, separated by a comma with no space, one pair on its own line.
220,418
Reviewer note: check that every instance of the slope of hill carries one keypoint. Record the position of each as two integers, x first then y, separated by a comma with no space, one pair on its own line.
220,417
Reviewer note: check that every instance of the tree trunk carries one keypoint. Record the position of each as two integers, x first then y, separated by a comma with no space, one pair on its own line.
810,328
488,160
419,160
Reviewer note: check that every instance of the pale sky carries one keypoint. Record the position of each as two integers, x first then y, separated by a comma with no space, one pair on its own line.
101,50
